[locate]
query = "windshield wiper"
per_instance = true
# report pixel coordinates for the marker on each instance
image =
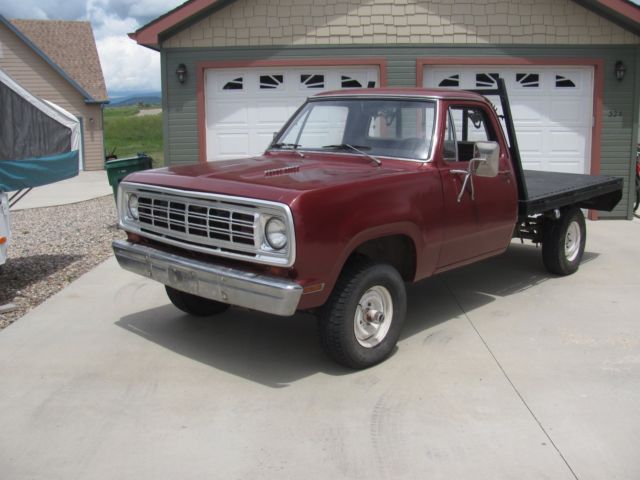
(356, 148)
(288, 146)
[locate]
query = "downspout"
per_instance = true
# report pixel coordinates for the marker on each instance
(165, 105)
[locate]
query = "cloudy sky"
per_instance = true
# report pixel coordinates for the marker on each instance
(126, 65)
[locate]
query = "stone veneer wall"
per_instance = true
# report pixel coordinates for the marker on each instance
(339, 22)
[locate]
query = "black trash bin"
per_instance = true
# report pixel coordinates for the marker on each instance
(119, 168)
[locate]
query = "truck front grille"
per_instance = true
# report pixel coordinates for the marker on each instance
(209, 223)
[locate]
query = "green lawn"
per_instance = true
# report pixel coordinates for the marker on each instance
(130, 134)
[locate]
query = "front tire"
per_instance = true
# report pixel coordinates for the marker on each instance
(360, 324)
(193, 304)
(563, 242)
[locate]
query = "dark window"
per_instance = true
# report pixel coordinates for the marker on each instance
(270, 81)
(235, 84)
(530, 80)
(564, 82)
(465, 127)
(312, 81)
(487, 79)
(452, 81)
(348, 82)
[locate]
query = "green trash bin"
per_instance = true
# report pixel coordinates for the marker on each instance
(119, 168)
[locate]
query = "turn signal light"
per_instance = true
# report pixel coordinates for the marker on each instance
(318, 287)
(3, 240)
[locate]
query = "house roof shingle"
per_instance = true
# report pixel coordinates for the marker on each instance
(71, 45)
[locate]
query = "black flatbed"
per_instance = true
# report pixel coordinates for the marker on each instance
(550, 190)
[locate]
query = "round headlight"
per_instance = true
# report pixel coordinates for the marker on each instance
(276, 233)
(132, 205)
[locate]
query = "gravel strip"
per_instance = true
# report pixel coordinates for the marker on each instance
(50, 248)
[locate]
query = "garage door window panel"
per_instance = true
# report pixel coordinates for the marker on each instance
(271, 82)
(450, 81)
(528, 80)
(564, 82)
(355, 79)
(234, 84)
(487, 80)
(312, 81)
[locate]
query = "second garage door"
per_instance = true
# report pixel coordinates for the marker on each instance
(552, 109)
(245, 106)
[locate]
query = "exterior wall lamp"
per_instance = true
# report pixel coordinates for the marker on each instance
(181, 72)
(620, 70)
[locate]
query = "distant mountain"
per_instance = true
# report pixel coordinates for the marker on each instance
(122, 98)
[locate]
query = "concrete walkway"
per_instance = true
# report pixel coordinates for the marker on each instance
(502, 372)
(86, 186)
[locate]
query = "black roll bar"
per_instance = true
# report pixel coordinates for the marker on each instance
(501, 92)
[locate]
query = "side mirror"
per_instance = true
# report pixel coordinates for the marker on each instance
(487, 156)
(485, 163)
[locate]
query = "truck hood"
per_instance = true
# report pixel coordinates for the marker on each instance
(280, 177)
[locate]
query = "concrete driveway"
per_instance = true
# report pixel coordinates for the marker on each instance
(84, 186)
(502, 373)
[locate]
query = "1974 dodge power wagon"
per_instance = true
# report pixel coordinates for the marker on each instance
(360, 192)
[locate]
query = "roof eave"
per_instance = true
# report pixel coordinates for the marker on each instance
(151, 43)
(47, 59)
(621, 12)
(149, 35)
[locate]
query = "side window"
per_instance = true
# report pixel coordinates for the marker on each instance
(465, 126)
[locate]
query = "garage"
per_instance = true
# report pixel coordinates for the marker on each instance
(552, 108)
(233, 70)
(245, 106)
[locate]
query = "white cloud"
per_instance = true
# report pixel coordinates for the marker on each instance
(128, 66)
(106, 24)
(152, 8)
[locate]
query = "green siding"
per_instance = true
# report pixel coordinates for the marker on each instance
(618, 133)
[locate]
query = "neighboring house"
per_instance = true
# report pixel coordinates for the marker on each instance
(248, 64)
(58, 61)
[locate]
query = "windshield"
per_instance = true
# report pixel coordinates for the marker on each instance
(387, 128)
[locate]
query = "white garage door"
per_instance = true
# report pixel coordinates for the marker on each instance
(245, 106)
(552, 109)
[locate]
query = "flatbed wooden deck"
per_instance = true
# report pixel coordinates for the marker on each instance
(549, 190)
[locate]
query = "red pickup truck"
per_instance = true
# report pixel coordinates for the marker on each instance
(360, 192)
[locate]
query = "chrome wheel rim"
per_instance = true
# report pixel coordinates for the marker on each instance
(572, 241)
(373, 317)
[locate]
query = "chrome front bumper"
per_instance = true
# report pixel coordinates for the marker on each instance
(264, 293)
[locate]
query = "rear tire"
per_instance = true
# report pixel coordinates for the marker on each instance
(635, 206)
(195, 305)
(563, 242)
(361, 322)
